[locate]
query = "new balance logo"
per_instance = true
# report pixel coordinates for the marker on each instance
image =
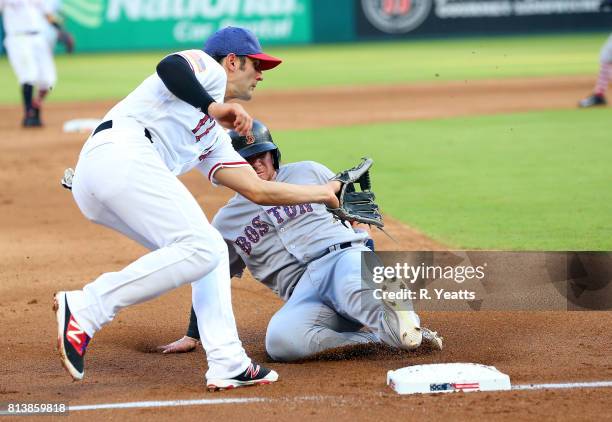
(252, 371)
(76, 336)
(75, 332)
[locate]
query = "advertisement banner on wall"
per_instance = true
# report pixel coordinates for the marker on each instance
(164, 24)
(402, 18)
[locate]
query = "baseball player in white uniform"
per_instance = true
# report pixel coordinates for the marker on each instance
(31, 57)
(311, 261)
(126, 179)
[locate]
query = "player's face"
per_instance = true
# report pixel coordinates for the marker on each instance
(263, 164)
(246, 78)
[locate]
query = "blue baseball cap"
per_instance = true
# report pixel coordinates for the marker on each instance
(241, 42)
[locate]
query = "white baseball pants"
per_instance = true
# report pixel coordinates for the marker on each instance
(31, 59)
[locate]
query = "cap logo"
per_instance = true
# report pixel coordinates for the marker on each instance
(250, 139)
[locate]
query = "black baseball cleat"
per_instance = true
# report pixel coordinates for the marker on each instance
(254, 375)
(32, 118)
(72, 341)
(593, 101)
(32, 121)
(37, 117)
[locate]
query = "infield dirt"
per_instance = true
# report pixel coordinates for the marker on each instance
(47, 245)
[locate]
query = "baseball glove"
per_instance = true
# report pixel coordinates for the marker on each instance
(64, 37)
(357, 205)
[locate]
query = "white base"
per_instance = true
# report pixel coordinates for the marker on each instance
(81, 125)
(447, 378)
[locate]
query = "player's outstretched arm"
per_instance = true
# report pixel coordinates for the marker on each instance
(244, 180)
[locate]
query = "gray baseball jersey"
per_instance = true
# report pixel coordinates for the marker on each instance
(288, 249)
(276, 243)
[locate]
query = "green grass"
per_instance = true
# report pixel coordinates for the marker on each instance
(533, 181)
(112, 76)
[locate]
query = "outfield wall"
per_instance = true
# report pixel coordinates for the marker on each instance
(115, 25)
(402, 19)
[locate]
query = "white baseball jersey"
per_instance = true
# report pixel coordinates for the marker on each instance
(183, 135)
(24, 16)
(276, 242)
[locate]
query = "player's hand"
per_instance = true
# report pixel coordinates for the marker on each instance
(183, 345)
(334, 187)
(231, 116)
(360, 227)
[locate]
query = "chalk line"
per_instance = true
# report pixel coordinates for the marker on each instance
(248, 400)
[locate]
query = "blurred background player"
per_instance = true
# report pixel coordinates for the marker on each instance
(311, 261)
(31, 57)
(598, 97)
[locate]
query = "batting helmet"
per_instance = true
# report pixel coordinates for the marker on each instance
(257, 141)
